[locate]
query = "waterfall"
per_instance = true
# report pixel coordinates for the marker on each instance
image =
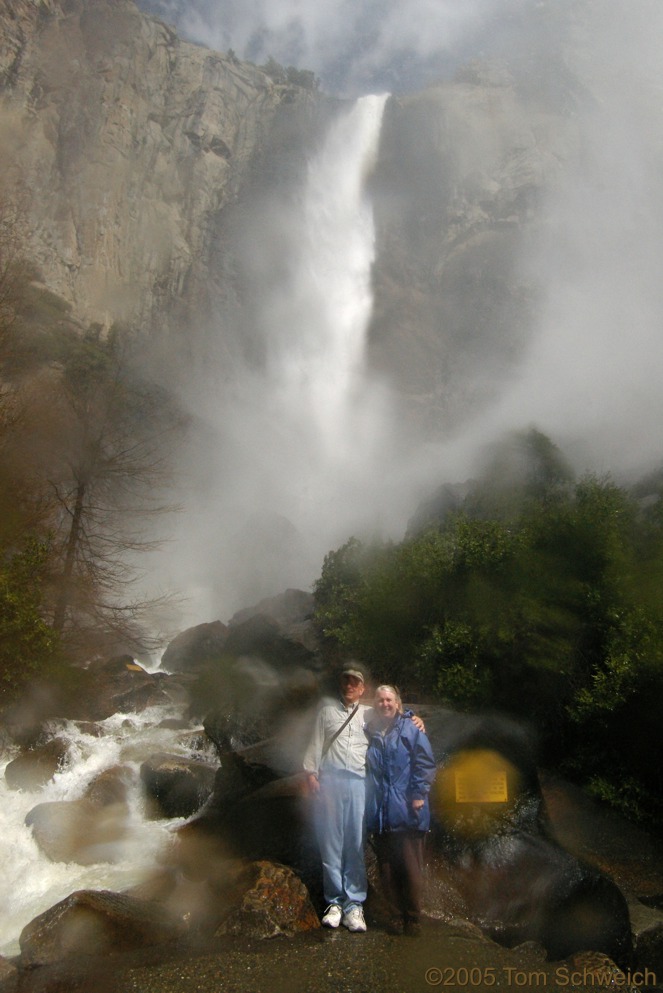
(319, 329)
(330, 418)
(300, 432)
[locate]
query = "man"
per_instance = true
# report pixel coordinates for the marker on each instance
(336, 765)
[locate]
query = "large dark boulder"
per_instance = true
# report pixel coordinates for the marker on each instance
(492, 842)
(269, 666)
(177, 786)
(33, 768)
(79, 831)
(263, 637)
(288, 608)
(195, 648)
(94, 923)
(520, 886)
(278, 629)
(110, 787)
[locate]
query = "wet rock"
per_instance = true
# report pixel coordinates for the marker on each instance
(92, 728)
(534, 951)
(32, 769)
(195, 648)
(649, 949)
(177, 688)
(595, 970)
(290, 607)
(643, 917)
(79, 830)
(212, 890)
(109, 787)
(137, 698)
(235, 728)
(521, 886)
(156, 887)
(8, 974)
(195, 740)
(174, 724)
(263, 637)
(274, 902)
(466, 929)
(259, 702)
(178, 786)
(197, 902)
(94, 922)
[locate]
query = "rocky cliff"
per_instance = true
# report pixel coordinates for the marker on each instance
(144, 161)
(126, 143)
(460, 189)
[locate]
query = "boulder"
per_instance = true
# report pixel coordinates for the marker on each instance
(249, 699)
(492, 842)
(109, 787)
(123, 686)
(33, 768)
(595, 970)
(520, 887)
(79, 830)
(195, 648)
(292, 607)
(262, 637)
(178, 786)
(649, 948)
(8, 974)
(274, 902)
(91, 922)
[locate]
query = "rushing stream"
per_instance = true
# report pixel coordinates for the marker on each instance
(31, 881)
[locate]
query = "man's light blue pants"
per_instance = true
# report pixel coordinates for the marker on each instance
(340, 832)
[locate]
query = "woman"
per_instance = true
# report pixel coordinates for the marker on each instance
(400, 772)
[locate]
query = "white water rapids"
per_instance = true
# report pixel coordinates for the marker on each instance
(32, 882)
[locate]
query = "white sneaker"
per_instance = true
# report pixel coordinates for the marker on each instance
(353, 919)
(332, 916)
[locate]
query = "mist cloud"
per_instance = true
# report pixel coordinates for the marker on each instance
(354, 47)
(590, 373)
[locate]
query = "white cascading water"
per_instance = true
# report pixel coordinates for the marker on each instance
(301, 434)
(31, 882)
(326, 310)
(321, 417)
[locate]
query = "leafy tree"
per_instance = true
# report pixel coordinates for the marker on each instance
(28, 646)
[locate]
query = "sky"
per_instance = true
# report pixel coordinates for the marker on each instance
(356, 46)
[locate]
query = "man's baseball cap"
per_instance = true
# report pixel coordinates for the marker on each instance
(354, 672)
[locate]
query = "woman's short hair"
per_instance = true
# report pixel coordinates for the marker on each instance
(386, 688)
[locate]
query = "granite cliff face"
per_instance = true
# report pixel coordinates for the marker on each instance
(127, 144)
(464, 172)
(144, 161)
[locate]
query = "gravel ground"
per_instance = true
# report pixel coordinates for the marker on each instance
(443, 958)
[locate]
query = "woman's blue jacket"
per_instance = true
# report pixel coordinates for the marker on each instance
(400, 768)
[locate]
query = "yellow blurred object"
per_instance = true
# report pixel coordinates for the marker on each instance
(475, 789)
